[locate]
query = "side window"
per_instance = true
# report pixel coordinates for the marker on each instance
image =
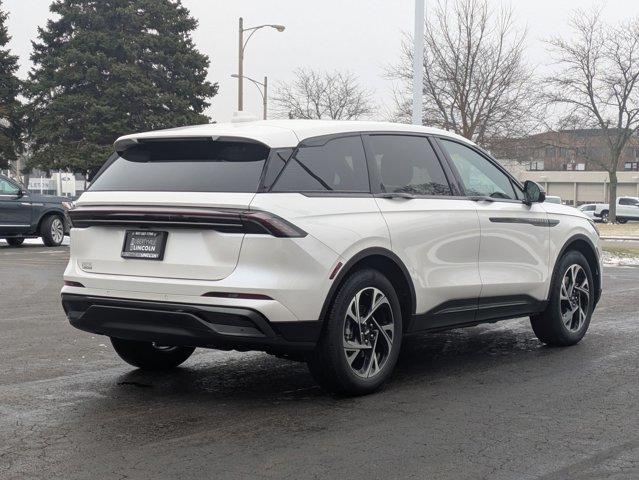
(478, 175)
(408, 164)
(338, 166)
(628, 201)
(275, 164)
(7, 188)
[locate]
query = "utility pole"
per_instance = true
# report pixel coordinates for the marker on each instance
(240, 58)
(240, 69)
(418, 62)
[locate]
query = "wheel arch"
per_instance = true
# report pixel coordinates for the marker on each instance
(391, 266)
(584, 245)
(46, 214)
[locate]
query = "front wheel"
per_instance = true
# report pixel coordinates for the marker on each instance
(52, 231)
(14, 242)
(567, 316)
(149, 355)
(360, 343)
(604, 216)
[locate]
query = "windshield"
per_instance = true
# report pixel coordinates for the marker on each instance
(200, 165)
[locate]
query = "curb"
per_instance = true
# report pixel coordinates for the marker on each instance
(620, 238)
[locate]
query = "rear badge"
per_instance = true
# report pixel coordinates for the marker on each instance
(86, 266)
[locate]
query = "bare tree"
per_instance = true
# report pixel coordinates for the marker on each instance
(476, 82)
(597, 83)
(317, 95)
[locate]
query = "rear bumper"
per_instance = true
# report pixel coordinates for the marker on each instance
(224, 328)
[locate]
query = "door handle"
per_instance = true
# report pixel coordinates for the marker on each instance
(407, 196)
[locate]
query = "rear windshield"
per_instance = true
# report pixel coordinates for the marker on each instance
(185, 166)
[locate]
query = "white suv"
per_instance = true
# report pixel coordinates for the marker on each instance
(320, 241)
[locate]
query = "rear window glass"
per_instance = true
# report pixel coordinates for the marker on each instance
(338, 166)
(185, 166)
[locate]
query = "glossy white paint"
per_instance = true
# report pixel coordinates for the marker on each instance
(449, 246)
(513, 258)
(438, 241)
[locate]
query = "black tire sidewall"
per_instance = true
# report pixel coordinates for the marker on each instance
(14, 242)
(332, 341)
(146, 357)
(45, 231)
(565, 335)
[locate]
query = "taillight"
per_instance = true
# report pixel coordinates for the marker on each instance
(265, 222)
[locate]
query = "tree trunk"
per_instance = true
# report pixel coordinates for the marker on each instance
(612, 196)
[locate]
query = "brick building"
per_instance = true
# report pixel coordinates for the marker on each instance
(567, 150)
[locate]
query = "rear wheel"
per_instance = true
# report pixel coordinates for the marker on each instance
(150, 356)
(359, 346)
(567, 316)
(621, 220)
(52, 231)
(604, 216)
(15, 242)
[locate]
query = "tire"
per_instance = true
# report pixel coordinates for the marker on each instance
(357, 371)
(550, 326)
(621, 220)
(148, 356)
(52, 231)
(604, 216)
(15, 242)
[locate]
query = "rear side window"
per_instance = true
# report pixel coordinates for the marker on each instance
(408, 165)
(628, 201)
(186, 166)
(337, 166)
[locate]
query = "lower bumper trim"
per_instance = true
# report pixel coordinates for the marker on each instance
(224, 328)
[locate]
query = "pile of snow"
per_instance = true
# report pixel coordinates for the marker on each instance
(620, 260)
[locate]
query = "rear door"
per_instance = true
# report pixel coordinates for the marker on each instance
(515, 237)
(192, 189)
(15, 211)
(628, 207)
(433, 230)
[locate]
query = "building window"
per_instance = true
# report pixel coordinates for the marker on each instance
(634, 166)
(636, 152)
(550, 152)
(537, 165)
(580, 166)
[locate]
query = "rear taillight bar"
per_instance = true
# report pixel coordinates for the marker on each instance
(223, 220)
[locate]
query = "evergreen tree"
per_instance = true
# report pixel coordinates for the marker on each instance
(9, 104)
(104, 68)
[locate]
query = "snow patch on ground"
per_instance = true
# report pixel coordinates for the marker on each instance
(616, 259)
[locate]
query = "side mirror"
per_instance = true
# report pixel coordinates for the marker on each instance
(534, 192)
(20, 193)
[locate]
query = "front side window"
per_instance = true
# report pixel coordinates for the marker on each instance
(408, 164)
(588, 208)
(185, 166)
(628, 201)
(8, 188)
(339, 165)
(478, 175)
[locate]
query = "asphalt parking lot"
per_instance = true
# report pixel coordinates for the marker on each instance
(485, 402)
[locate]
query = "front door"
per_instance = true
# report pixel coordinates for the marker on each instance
(15, 210)
(435, 233)
(515, 237)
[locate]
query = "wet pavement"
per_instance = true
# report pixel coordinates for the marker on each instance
(484, 402)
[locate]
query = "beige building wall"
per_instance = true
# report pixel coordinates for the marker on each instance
(586, 187)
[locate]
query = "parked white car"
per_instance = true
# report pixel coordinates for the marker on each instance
(627, 209)
(553, 199)
(588, 209)
(321, 241)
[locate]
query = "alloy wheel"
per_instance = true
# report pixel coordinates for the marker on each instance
(57, 230)
(574, 298)
(368, 335)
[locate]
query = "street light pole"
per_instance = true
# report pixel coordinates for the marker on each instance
(240, 64)
(240, 68)
(263, 91)
(418, 62)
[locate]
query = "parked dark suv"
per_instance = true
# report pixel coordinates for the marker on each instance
(24, 214)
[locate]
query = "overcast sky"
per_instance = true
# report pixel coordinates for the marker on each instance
(362, 36)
